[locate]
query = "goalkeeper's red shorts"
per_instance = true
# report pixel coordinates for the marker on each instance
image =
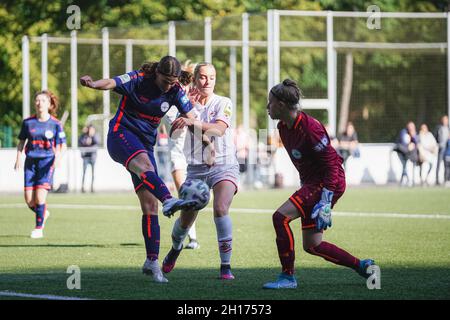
(308, 196)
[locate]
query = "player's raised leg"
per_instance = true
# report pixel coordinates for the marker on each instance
(140, 165)
(285, 246)
(151, 234)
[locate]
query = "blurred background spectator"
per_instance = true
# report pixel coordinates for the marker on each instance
(442, 136)
(428, 150)
(88, 143)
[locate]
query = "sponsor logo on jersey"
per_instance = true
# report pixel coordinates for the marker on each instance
(144, 99)
(296, 154)
(322, 144)
(165, 106)
(125, 78)
(48, 134)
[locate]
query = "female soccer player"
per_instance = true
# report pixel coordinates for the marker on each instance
(176, 144)
(323, 183)
(147, 95)
(45, 140)
(218, 167)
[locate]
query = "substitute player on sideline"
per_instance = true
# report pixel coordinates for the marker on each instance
(45, 141)
(218, 167)
(147, 95)
(323, 183)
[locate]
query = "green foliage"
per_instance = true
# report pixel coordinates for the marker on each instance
(145, 19)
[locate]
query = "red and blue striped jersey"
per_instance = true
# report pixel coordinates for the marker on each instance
(143, 105)
(42, 136)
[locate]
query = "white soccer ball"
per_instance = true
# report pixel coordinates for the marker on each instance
(196, 190)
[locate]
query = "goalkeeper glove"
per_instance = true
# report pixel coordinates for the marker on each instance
(322, 210)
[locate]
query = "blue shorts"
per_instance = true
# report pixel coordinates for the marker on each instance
(123, 146)
(39, 173)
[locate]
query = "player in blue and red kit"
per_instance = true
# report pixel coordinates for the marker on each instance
(45, 139)
(147, 94)
(323, 183)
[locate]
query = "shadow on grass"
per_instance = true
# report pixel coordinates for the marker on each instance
(49, 245)
(111, 282)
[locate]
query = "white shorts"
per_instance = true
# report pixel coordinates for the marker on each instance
(215, 174)
(177, 160)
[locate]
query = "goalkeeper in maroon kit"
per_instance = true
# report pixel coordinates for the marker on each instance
(323, 183)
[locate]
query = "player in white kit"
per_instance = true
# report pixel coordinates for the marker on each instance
(216, 164)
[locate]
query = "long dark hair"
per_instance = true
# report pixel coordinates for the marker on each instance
(168, 66)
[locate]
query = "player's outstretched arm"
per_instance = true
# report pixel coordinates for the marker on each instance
(102, 84)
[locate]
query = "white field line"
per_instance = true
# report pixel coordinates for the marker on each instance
(241, 210)
(37, 296)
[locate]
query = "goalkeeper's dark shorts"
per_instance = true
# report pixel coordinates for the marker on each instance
(308, 196)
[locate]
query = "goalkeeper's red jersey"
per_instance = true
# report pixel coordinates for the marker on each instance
(309, 148)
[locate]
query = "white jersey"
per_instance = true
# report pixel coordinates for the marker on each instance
(176, 144)
(217, 108)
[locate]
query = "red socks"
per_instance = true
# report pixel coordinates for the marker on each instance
(326, 250)
(285, 242)
(334, 254)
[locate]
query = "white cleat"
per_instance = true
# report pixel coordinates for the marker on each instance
(37, 234)
(193, 244)
(152, 268)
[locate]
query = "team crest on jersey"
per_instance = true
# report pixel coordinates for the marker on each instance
(227, 111)
(48, 134)
(296, 154)
(165, 106)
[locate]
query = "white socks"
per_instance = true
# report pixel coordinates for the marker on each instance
(224, 237)
(178, 235)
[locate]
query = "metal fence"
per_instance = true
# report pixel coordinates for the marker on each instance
(252, 52)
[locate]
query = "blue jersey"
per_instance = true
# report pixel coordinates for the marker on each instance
(42, 137)
(143, 105)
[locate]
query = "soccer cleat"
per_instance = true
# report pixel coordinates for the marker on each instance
(151, 268)
(284, 281)
(170, 260)
(37, 234)
(225, 272)
(172, 205)
(363, 266)
(193, 244)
